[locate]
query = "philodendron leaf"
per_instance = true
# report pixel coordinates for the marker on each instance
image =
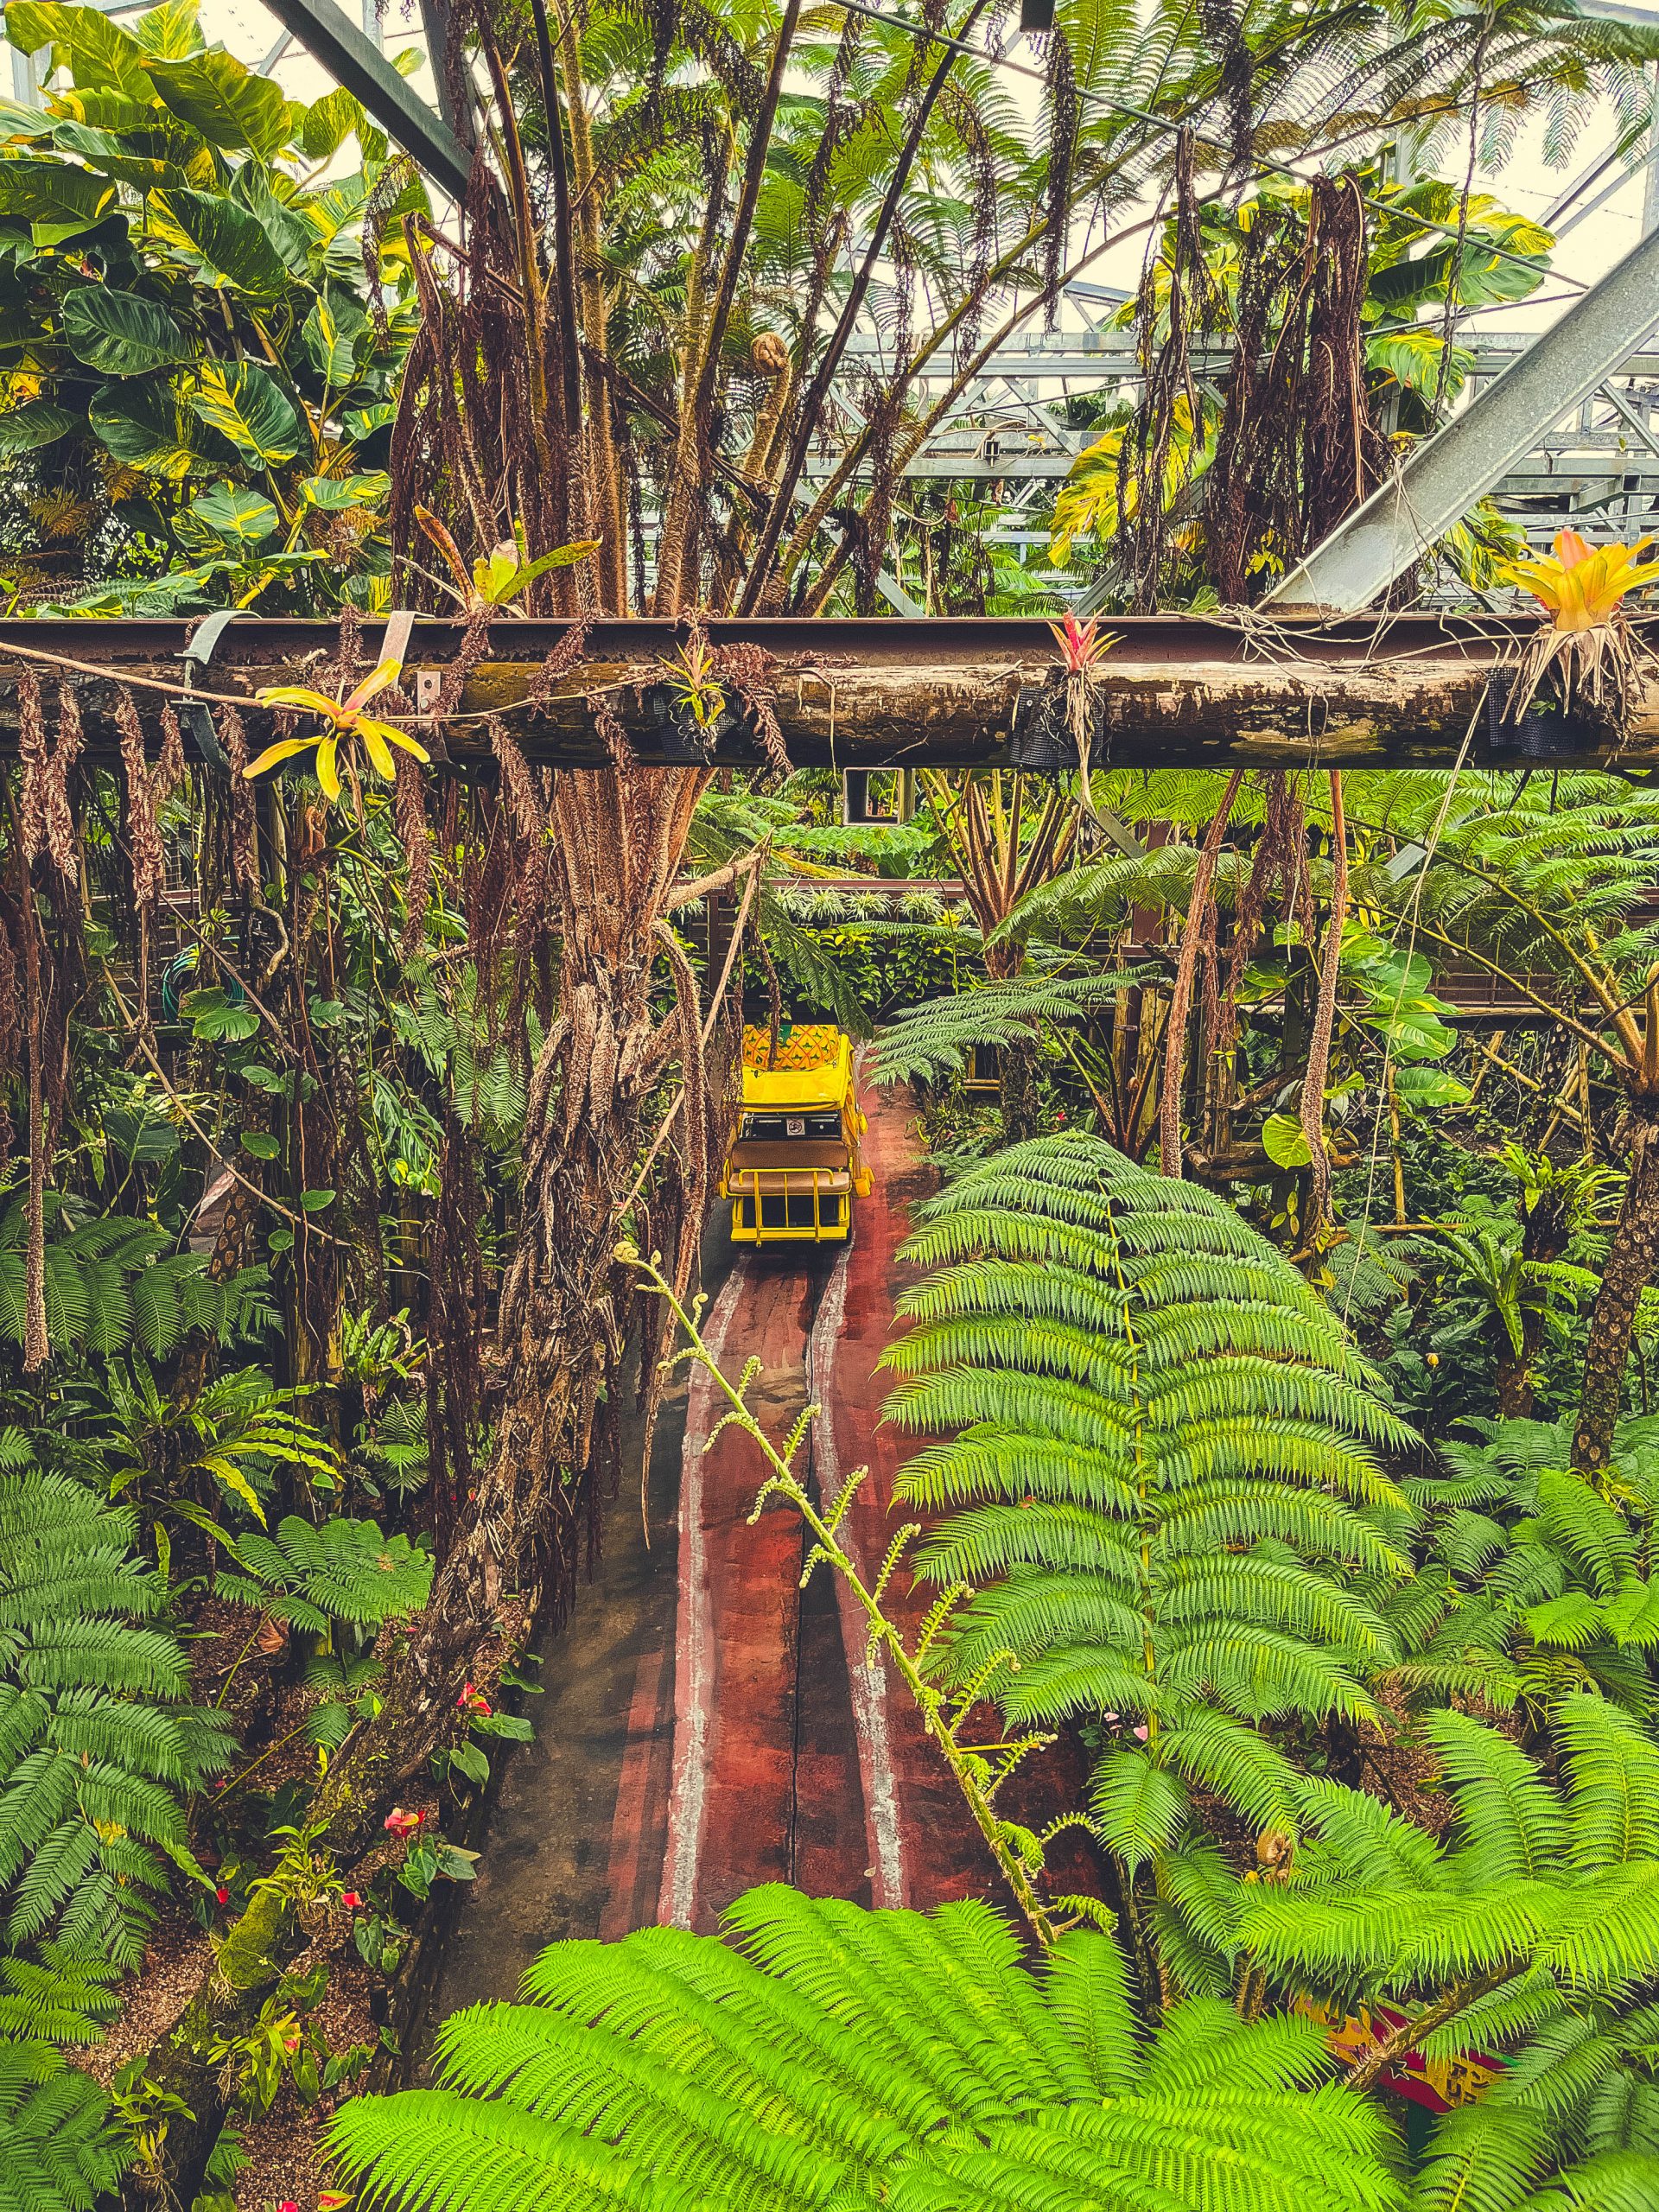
(243, 403)
(1283, 1141)
(328, 123)
(340, 494)
(122, 333)
(56, 200)
(234, 513)
(330, 335)
(225, 245)
(220, 98)
(37, 422)
(170, 31)
(140, 424)
(98, 53)
(111, 157)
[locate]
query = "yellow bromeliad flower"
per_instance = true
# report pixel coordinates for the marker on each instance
(1583, 587)
(345, 724)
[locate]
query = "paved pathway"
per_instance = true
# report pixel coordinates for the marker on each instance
(706, 1725)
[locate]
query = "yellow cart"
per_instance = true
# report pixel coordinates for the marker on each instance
(794, 1167)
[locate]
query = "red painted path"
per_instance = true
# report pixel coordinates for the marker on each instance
(706, 1724)
(770, 1750)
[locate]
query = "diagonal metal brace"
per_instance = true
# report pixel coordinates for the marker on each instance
(1444, 476)
(357, 63)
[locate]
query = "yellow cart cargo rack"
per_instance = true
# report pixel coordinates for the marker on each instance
(794, 1166)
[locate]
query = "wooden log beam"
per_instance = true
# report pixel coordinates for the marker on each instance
(1399, 691)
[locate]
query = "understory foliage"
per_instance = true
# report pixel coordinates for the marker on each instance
(1166, 1490)
(828, 2056)
(97, 1742)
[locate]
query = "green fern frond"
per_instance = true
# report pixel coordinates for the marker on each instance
(1166, 1451)
(849, 2058)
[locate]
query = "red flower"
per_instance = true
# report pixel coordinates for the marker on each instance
(288, 2205)
(350, 1899)
(473, 1701)
(223, 1895)
(401, 1823)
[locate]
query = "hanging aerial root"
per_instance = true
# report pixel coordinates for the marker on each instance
(1325, 1014)
(1180, 1001)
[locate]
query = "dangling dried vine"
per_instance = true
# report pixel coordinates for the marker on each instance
(1296, 447)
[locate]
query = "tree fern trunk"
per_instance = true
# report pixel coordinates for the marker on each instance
(1632, 1259)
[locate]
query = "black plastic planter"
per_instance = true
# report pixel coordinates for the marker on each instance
(1041, 741)
(685, 739)
(1545, 730)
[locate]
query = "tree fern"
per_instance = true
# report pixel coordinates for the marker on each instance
(339, 1570)
(58, 2149)
(1532, 1930)
(114, 1284)
(1547, 1571)
(849, 2059)
(95, 1741)
(935, 1039)
(1167, 1453)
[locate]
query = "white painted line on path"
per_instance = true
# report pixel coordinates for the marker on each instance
(694, 1640)
(868, 1684)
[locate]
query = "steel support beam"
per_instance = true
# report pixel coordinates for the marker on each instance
(357, 63)
(1444, 477)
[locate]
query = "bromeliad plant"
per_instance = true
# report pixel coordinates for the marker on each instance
(345, 728)
(1588, 640)
(1083, 646)
(498, 577)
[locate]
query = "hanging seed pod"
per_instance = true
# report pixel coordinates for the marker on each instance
(143, 834)
(245, 844)
(414, 835)
(61, 841)
(171, 768)
(31, 748)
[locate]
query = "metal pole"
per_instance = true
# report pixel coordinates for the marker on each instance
(356, 62)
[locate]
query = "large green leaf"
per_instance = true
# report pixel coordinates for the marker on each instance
(1413, 359)
(224, 243)
(55, 200)
(143, 425)
(38, 422)
(328, 123)
(96, 52)
(106, 151)
(232, 108)
(288, 230)
(331, 333)
(171, 31)
(245, 403)
(121, 333)
(340, 494)
(234, 513)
